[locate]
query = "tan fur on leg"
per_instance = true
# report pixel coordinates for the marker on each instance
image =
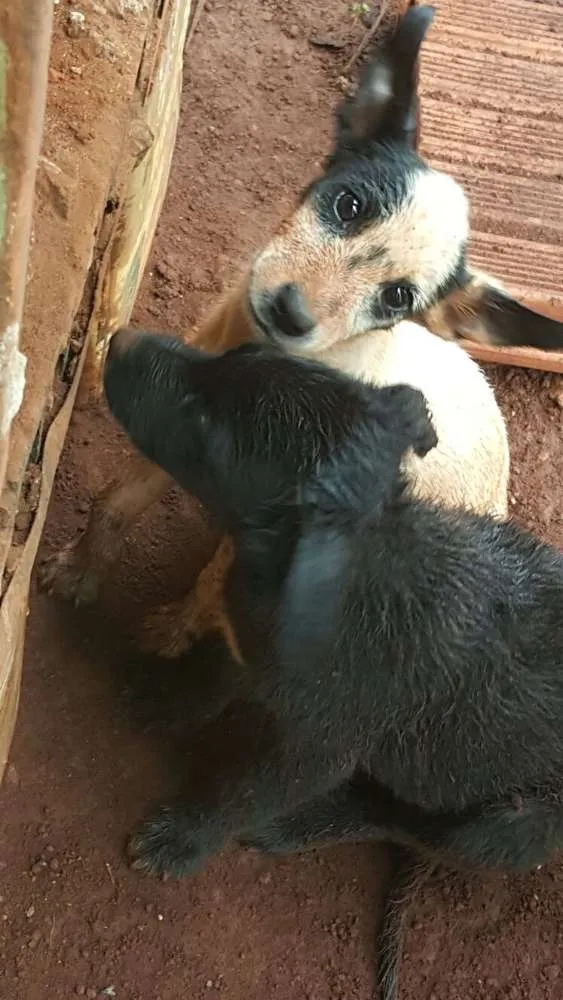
(77, 571)
(173, 628)
(458, 315)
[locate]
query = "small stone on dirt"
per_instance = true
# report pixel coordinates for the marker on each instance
(76, 24)
(165, 271)
(12, 776)
(34, 940)
(368, 16)
(327, 42)
(30, 912)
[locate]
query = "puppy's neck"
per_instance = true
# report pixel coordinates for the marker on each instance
(364, 356)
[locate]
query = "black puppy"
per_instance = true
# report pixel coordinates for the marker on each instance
(408, 657)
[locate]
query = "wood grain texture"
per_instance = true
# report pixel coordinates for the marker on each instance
(521, 357)
(491, 84)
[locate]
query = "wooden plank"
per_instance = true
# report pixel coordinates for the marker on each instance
(520, 357)
(25, 35)
(491, 84)
(79, 168)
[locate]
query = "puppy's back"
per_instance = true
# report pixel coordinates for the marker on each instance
(438, 640)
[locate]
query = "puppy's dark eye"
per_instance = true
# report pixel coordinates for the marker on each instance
(397, 298)
(347, 206)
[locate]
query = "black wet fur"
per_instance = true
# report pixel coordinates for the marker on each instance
(407, 658)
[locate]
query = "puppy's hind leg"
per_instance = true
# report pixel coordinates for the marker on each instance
(355, 812)
(172, 629)
(76, 572)
(205, 684)
(520, 834)
(344, 815)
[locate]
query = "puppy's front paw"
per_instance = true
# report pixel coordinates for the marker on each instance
(66, 575)
(167, 844)
(409, 415)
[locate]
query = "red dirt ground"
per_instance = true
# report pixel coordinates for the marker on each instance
(97, 734)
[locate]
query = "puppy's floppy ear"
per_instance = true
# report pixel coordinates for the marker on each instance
(313, 595)
(482, 311)
(385, 106)
(404, 412)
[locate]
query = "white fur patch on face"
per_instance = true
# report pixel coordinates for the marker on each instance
(423, 240)
(339, 277)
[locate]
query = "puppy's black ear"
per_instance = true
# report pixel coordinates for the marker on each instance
(484, 312)
(313, 595)
(403, 411)
(385, 106)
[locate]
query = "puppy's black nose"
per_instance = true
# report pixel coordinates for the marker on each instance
(287, 312)
(121, 342)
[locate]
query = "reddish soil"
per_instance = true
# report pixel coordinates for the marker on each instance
(98, 734)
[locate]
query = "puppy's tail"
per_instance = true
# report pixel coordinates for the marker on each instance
(408, 872)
